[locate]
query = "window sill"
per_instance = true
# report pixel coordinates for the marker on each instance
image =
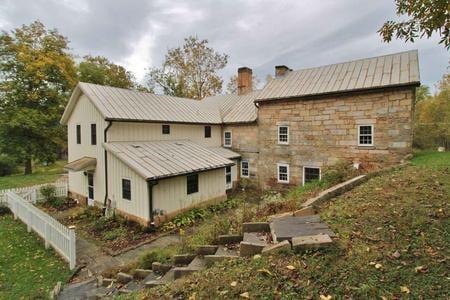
(368, 147)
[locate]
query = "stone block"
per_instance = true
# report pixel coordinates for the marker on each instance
(211, 259)
(107, 282)
(206, 249)
(311, 242)
(273, 248)
(124, 278)
(282, 215)
(229, 239)
(306, 211)
(256, 227)
(160, 268)
(141, 273)
(250, 249)
(183, 259)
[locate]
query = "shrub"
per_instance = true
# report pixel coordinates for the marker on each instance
(115, 233)
(4, 210)
(338, 172)
(162, 255)
(48, 192)
(7, 165)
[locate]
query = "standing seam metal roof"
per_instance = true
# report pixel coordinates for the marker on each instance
(162, 159)
(369, 73)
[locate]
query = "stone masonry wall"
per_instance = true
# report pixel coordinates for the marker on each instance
(245, 142)
(324, 130)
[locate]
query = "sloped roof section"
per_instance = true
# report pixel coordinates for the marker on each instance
(122, 104)
(235, 108)
(400, 69)
(162, 159)
(83, 164)
(224, 152)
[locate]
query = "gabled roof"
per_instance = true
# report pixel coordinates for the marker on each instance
(399, 69)
(128, 105)
(82, 164)
(162, 159)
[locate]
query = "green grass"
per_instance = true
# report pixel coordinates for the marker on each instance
(41, 174)
(27, 270)
(392, 242)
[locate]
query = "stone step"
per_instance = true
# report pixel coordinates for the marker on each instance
(206, 249)
(197, 263)
(225, 251)
(184, 271)
(211, 259)
(155, 281)
(311, 242)
(255, 238)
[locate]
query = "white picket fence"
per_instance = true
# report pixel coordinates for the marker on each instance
(33, 194)
(61, 238)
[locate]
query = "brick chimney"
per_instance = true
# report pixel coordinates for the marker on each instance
(244, 80)
(281, 71)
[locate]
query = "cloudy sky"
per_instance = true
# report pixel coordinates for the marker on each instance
(257, 34)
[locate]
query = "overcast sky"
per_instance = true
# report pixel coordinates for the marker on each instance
(257, 34)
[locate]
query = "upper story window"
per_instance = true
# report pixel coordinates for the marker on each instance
(166, 129)
(93, 134)
(126, 189)
(283, 173)
(207, 131)
(310, 174)
(245, 169)
(283, 135)
(365, 135)
(227, 139)
(192, 183)
(79, 134)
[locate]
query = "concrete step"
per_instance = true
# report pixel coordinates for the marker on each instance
(211, 259)
(225, 251)
(185, 271)
(197, 263)
(150, 282)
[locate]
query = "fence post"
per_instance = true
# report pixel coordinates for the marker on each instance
(30, 218)
(47, 235)
(72, 249)
(34, 196)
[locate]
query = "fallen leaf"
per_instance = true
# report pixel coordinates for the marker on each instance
(192, 297)
(233, 284)
(405, 289)
(245, 295)
(378, 266)
(396, 254)
(290, 267)
(323, 297)
(421, 269)
(257, 256)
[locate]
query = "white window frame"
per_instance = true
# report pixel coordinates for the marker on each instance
(278, 133)
(372, 134)
(230, 184)
(311, 167)
(287, 171)
(248, 169)
(225, 139)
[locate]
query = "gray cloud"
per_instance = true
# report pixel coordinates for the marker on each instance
(258, 34)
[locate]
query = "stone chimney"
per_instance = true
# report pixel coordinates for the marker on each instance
(244, 80)
(281, 71)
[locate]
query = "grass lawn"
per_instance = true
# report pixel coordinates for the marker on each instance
(41, 174)
(27, 270)
(392, 243)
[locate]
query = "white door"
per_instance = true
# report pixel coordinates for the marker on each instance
(228, 177)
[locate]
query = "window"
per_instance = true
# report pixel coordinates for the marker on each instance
(166, 129)
(78, 134)
(90, 177)
(93, 134)
(310, 174)
(126, 189)
(365, 135)
(283, 173)
(207, 131)
(228, 182)
(227, 139)
(245, 167)
(192, 183)
(283, 135)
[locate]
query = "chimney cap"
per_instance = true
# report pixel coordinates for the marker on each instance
(244, 69)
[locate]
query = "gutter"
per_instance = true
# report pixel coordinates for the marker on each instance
(105, 139)
(150, 185)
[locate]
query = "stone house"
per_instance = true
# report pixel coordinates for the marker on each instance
(151, 156)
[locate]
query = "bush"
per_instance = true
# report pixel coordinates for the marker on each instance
(162, 255)
(48, 192)
(4, 210)
(339, 172)
(115, 233)
(7, 165)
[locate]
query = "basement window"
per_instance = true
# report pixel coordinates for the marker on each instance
(126, 189)
(166, 129)
(227, 139)
(192, 183)
(283, 173)
(283, 135)
(311, 174)
(245, 169)
(207, 131)
(93, 134)
(78, 134)
(365, 135)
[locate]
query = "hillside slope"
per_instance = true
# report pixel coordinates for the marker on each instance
(393, 241)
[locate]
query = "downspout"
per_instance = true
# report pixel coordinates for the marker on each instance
(150, 185)
(105, 139)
